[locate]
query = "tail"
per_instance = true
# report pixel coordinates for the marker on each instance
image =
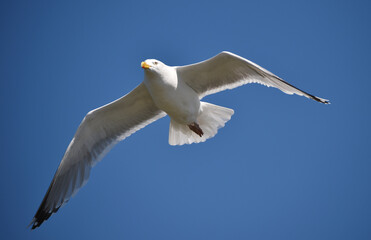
(211, 118)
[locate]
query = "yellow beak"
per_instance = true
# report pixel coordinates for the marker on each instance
(144, 65)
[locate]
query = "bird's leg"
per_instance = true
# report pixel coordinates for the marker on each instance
(196, 128)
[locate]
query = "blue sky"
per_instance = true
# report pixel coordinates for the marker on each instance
(284, 167)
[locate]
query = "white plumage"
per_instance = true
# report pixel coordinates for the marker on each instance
(175, 91)
(210, 119)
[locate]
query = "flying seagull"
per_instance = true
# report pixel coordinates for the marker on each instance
(166, 90)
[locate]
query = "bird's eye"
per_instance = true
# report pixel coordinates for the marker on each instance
(155, 63)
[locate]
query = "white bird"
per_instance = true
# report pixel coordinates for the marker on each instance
(175, 91)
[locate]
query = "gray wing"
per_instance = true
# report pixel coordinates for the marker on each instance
(227, 70)
(100, 130)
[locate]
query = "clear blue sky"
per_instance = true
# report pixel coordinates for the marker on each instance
(284, 167)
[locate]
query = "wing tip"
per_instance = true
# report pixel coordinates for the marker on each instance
(321, 100)
(34, 224)
(40, 217)
(41, 214)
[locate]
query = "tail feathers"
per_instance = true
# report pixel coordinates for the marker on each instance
(211, 118)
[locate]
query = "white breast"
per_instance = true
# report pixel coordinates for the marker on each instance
(173, 96)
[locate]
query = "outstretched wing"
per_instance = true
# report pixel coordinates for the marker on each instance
(100, 130)
(227, 70)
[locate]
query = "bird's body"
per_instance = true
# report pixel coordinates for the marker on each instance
(175, 91)
(172, 95)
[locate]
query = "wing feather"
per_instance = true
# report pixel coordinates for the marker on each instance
(99, 131)
(227, 71)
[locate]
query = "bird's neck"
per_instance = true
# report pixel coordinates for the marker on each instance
(163, 79)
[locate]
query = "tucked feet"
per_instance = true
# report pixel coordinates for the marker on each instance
(196, 128)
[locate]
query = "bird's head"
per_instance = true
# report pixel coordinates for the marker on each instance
(153, 65)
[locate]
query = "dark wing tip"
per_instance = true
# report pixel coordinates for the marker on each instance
(43, 213)
(40, 217)
(321, 100)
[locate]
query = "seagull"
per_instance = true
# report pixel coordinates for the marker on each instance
(175, 91)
